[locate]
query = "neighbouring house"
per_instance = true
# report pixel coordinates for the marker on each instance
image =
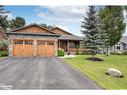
(121, 46)
(35, 40)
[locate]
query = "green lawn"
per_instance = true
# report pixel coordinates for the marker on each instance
(96, 70)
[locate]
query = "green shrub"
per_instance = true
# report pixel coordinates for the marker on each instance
(3, 53)
(124, 53)
(60, 52)
(85, 53)
(4, 43)
(115, 53)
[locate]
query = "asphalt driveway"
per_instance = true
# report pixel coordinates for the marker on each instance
(41, 73)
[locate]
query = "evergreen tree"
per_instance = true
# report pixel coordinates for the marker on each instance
(90, 30)
(17, 23)
(112, 25)
(47, 26)
(3, 18)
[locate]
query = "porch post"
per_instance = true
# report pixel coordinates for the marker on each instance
(67, 45)
(58, 44)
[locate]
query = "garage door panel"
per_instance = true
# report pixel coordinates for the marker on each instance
(23, 48)
(28, 48)
(17, 48)
(50, 48)
(45, 48)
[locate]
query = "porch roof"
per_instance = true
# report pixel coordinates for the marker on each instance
(70, 37)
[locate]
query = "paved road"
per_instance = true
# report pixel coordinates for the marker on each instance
(41, 73)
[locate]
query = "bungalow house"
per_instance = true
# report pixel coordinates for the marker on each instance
(35, 40)
(121, 46)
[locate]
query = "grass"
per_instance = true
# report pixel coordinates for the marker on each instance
(96, 70)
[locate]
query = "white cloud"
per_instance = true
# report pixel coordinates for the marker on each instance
(63, 14)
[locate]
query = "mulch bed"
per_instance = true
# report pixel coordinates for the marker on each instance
(94, 59)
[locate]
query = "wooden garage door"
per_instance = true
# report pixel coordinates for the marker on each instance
(45, 48)
(23, 48)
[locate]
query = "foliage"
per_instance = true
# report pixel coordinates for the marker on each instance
(4, 43)
(47, 26)
(111, 24)
(124, 53)
(3, 18)
(85, 53)
(90, 30)
(60, 52)
(17, 22)
(96, 70)
(116, 53)
(3, 53)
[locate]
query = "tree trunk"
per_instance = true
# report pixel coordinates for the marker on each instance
(93, 54)
(107, 53)
(102, 51)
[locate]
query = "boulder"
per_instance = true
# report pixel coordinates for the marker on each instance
(114, 72)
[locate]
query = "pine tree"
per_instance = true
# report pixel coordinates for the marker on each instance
(3, 18)
(17, 22)
(90, 30)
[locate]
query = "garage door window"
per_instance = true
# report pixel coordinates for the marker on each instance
(29, 42)
(50, 43)
(41, 43)
(18, 42)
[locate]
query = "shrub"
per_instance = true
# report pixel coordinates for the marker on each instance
(4, 43)
(3, 53)
(115, 53)
(124, 53)
(60, 52)
(86, 53)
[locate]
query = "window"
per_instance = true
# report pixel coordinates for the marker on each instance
(18, 42)
(72, 45)
(41, 43)
(29, 42)
(50, 43)
(118, 47)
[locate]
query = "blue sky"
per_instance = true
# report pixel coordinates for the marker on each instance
(66, 17)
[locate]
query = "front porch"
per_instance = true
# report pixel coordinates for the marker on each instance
(68, 45)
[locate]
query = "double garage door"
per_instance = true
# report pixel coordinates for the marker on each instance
(29, 48)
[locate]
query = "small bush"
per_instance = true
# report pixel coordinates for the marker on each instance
(60, 52)
(124, 53)
(86, 53)
(115, 53)
(3, 53)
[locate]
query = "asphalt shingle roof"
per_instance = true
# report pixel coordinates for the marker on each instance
(124, 39)
(69, 37)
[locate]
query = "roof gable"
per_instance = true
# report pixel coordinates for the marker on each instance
(60, 31)
(33, 28)
(124, 39)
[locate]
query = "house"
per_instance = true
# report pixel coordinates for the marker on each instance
(2, 34)
(121, 46)
(35, 40)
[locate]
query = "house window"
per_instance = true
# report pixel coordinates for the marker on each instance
(72, 45)
(118, 47)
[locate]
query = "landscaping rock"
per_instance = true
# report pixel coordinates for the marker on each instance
(114, 72)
